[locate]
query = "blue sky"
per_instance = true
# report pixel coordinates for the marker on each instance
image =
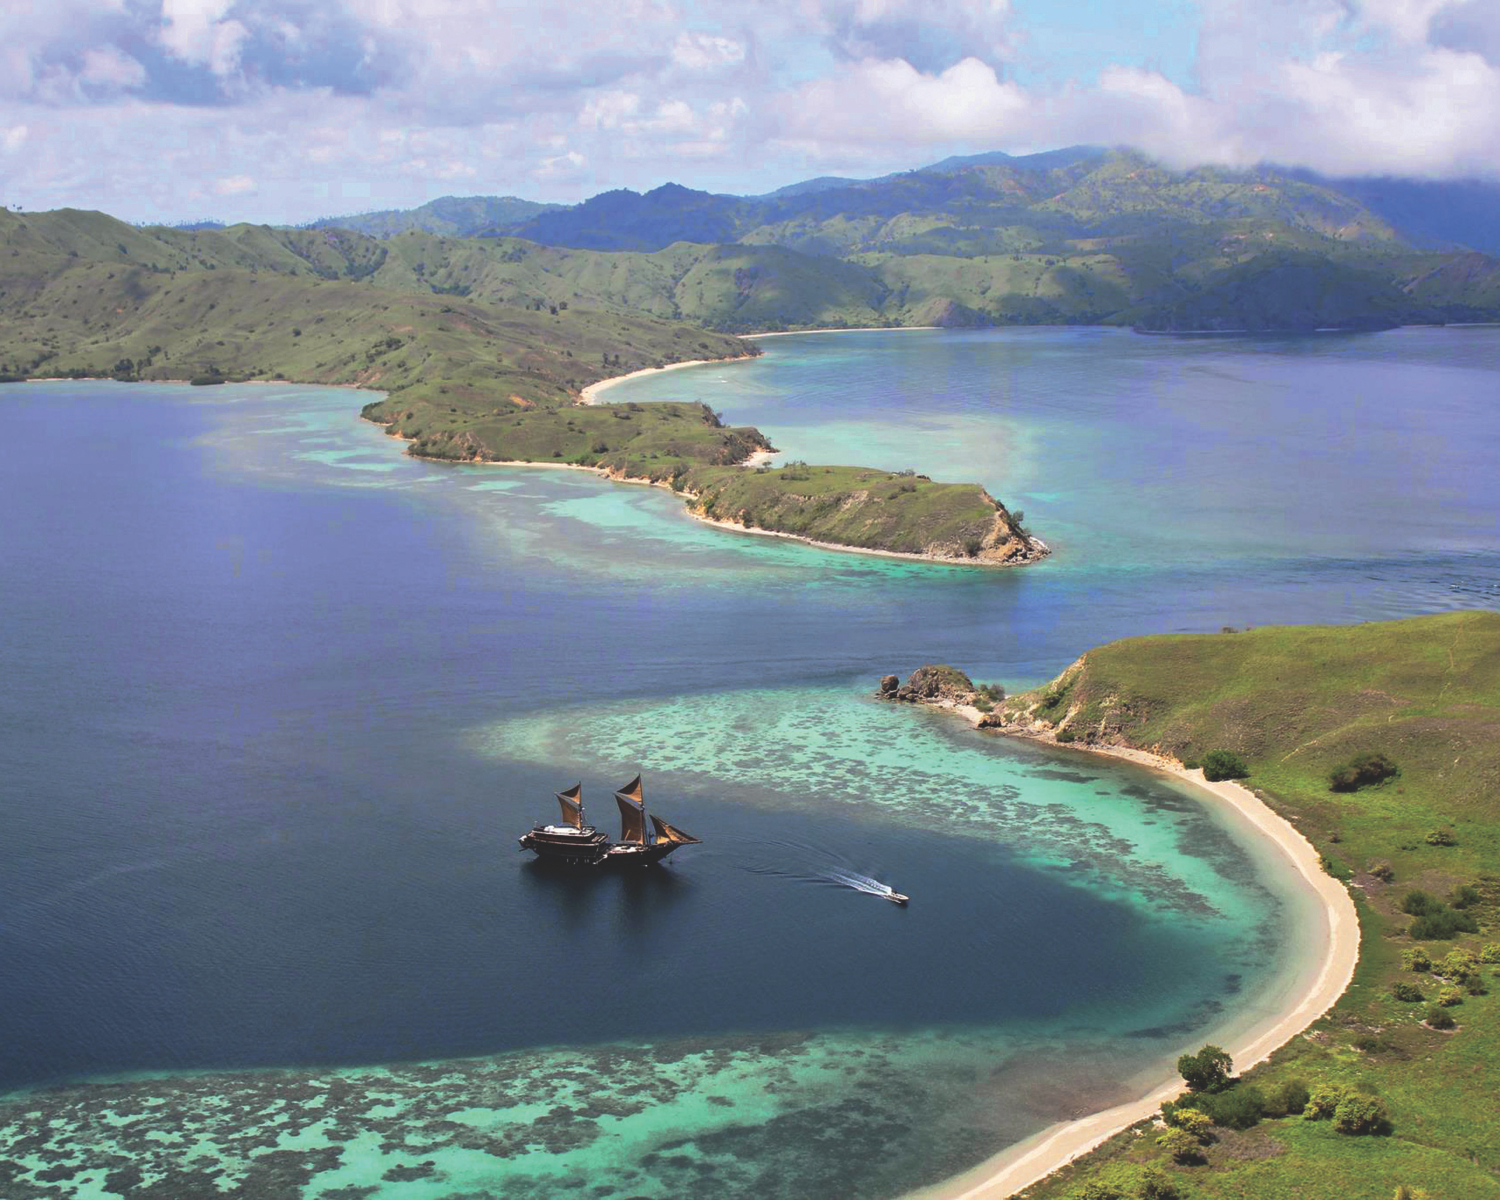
(284, 110)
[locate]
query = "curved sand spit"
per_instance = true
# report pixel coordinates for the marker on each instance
(1336, 945)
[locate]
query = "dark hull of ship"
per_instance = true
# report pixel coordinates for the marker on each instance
(600, 852)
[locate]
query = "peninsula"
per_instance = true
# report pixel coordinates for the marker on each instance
(1373, 753)
(503, 379)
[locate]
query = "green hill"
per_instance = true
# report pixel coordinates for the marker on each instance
(1297, 705)
(480, 346)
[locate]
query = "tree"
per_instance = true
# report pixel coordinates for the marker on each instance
(1206, 1070)
(1224, 764)
(1156, 1184)
(1181, 1145)
(1198, 1124)
(1358, 1115)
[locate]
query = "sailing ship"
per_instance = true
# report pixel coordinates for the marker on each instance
(577, 843)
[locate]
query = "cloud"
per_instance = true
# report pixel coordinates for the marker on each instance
(234, 185)
(135, 105)
(890, 101)
(705, 51)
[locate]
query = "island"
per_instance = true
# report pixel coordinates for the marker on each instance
(476, 363)
(1375, 749)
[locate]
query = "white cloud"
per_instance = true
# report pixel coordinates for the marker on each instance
(131, 105)
(108, 67)
(234, 185)
(892, 102)
(704, 51)
(196, 31)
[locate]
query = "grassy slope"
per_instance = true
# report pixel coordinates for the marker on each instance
(855, 506)
(491, 374)
(1295, 702)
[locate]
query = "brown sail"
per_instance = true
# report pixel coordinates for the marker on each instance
(634, 790)
(670, 833)
(572, 805)
(632, 818)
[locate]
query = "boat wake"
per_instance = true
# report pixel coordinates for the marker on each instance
(811, 864)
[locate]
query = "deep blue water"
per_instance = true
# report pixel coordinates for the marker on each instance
(276, 702)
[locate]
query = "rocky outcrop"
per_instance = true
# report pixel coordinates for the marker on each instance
(935, 683)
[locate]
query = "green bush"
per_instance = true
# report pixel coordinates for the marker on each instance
(1363, 770)
(1324, 1101)
(1458, 965)
(1223, 764)
(1464, 896)
(1181, 1145)
(206, 380)
(1442, 926)
(1441, 837)
(1491, 953)
(1439, 1018)
(1416, 959)
(1066, 735)
(1357, 1115)
(1406, 992)
(1156, 1184)
(1238, 1108)
(1207, 1070)
(1418, 903)
(1285, 1099)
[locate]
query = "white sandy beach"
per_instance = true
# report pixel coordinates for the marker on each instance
(1335, 947)
(590, 394)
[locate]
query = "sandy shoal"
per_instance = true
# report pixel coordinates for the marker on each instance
(1332, 954)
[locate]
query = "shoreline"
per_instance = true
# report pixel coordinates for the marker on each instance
(589, 393)
(758, 458)
(1032, 1159)
(851, 329)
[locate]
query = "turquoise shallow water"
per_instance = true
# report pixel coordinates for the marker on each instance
(276, 712)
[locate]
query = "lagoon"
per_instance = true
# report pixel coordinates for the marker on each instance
(278, 700)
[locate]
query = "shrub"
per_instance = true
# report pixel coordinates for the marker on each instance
(1324, 1101)
(1207, 1070)
(1181, 1145)
(1156, 1184)
(1416, 959)
(1383, 872)
(1238, 1108)
(1358, 1115)
(1458, 965)
(1418, 903)
(206, 380)
(1190, 764)
(1441, 837)
(1100, 1189)
(1197, 1125)
(1439, 1018)
(1464, 896)
(1363, 770)
(1223, 764)
(1066, 735)
(1491, 953)
(1449, 997)
(1407, 993)
(1443, 926)
(1285, 1099)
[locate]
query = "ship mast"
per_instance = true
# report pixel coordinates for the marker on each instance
(632, 801)
(572, 805)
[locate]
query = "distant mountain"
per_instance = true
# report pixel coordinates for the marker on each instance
(455, 216)
(1083, 236)
(967, 207)
(1432, 215)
